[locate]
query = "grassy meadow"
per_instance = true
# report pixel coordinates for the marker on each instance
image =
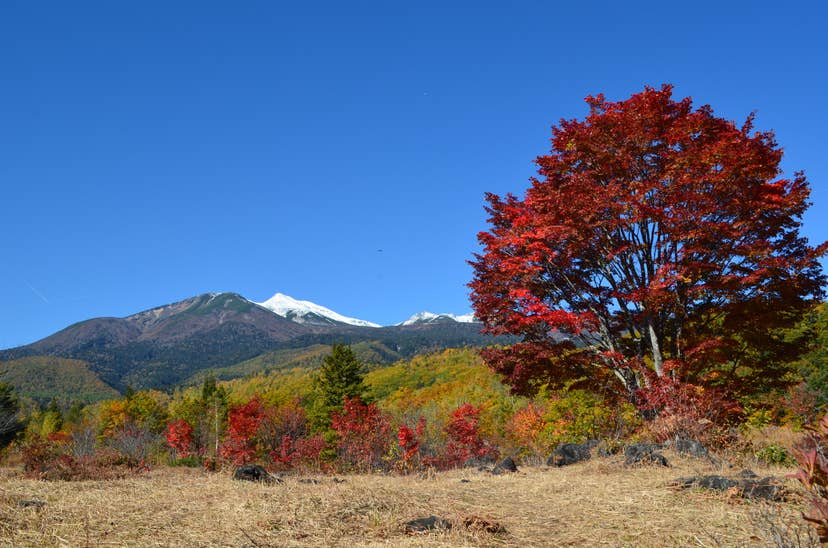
(597, 503)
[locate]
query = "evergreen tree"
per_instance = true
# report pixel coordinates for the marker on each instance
(10, 423)
(340, 377)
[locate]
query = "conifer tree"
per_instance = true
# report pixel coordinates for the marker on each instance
(340, 377)
(10, 423)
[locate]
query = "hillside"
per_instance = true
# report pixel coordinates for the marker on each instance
(177, 343)
(43, 378)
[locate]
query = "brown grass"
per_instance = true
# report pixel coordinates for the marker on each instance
(598, 503)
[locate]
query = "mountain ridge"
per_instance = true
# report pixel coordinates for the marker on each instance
(163, 346)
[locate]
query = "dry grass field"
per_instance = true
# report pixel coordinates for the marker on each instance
(597, 503)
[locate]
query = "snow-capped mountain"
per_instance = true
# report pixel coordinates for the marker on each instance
(430, 317)
(306, 312)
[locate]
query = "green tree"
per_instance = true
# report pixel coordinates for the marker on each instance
(10, 423)
(340, 377)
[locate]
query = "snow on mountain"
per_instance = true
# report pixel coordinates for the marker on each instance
(308, 312)
(430, 317)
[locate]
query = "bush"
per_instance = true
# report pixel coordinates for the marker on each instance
(364, 435)
(50, 460)
(774, 454)
(813, 474)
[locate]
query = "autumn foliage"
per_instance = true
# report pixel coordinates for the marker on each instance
(813, 474)
(465, 440)
(364, 434)
(659, 241)
(179, 436)
(242, 427)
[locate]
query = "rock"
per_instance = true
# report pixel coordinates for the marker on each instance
(690, 447)
(644, 453)
(254, 472)
(425, 525)
(750, 488)
(31, 504)
(570, 453)
(694, 448)
(718, 483)
(465, 480)
(765, 489)
(309, 481)
(747, 474)
(338, 480)
(505, 466)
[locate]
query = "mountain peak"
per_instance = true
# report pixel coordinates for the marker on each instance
(308, 312)
(430, 317)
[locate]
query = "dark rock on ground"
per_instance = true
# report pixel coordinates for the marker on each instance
(746, 487)
(254, 472)
(694, 448)
(505, 466)
(717, 483)
(570, 453)
(644, 453)
(310, 481)
(747, 474)
(31, 504)
(425, 525)
(465, 480)
(339, 480)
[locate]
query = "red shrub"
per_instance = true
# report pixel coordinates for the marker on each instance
(684, 410)
(242, 425)
(287, 420)
(179, 434)
(409, 441)
(303, 451)
(364, 434)
(813, 474)
(465, 441)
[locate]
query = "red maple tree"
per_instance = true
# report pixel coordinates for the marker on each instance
(364, 434)
(409, 441)
(659, 241)
(465, 441)
(179, 435)
(240, 445)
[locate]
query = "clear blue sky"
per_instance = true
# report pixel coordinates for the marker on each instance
(337, 152)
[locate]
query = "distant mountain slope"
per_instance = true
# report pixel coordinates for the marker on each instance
(162, 346)
(168, 345)
(371, 353)
(44, 377)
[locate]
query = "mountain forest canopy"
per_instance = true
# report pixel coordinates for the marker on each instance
(658, 246)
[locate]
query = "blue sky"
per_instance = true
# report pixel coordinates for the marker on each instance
(337, 152)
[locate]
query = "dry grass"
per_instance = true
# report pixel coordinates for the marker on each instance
(596, 503)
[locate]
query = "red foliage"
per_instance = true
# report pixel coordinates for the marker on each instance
(287, 420)
(813, 474)
(302, 451)
(240, 437)
(409, 441)
(658, 237)
(364, 434)
(60, 437)
(465, 441)
(526, 427)
(179, 435)
(686, 411)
